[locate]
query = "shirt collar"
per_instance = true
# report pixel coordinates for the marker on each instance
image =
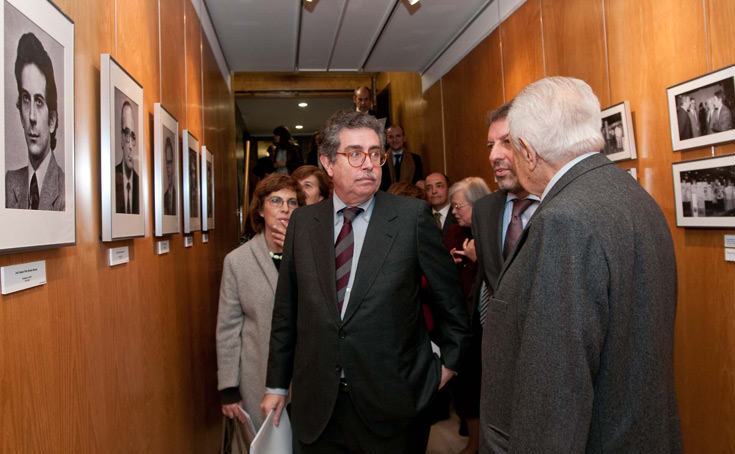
(40, 171)
(560, 173)
(338, 204)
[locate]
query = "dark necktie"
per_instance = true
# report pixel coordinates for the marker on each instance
(34, 193)
(343, 248)
(127, 199)
(438, 219)
(397, 166)
(515, 228)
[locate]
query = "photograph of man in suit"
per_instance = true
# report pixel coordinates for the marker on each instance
(40, 184)
(577, 351)
(193, 184)
(721, 119)
(126, 178)
(348, 333)
(169, 196)
(682, 117)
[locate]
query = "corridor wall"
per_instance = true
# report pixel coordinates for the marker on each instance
(121, 359)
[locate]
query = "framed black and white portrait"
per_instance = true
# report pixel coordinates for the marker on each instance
(192, 201)
(122, 162)
(37, 164)
(617, 130)
(701, 110)
(166, 186)
(704, 192)
(207, 165)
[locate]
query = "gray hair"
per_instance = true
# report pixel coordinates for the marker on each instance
(347, 119)
(474, 188)
(559, 117)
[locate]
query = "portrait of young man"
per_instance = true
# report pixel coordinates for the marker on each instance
(34, 180)
(193, 184)
(170, 201)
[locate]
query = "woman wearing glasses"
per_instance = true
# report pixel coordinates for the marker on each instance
(247, 290)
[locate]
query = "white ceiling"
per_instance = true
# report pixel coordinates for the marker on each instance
(353, 35)
(262, 114)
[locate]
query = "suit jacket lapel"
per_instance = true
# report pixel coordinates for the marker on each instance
(49, 190)
(321, 236)
(378, 242)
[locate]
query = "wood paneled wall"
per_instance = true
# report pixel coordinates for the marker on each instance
(122, 359)
(625, 49)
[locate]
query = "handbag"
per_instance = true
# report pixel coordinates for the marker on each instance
(236, 438)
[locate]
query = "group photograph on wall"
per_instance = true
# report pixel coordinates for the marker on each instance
(166, 172)
(704, 192)
(701, 110)
(123, 183)
(37, 166)
(617, 130)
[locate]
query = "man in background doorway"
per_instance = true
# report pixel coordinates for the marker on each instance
(437, 194)
(402, 165)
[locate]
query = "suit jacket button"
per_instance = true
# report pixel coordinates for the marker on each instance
(341, 334)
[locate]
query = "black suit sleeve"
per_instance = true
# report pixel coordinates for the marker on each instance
(452, 323)
(283, 325)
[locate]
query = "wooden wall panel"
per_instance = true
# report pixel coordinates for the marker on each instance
(521, 43)
(574, 43)
(471, 89)
(193, 119)
(432, 140)
(121, 359)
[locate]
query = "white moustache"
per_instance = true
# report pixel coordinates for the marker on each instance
(367, 174)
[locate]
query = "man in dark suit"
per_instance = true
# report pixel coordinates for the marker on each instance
(401, 165)
(437, 194)
(363, 99)
(348, 334)
(682, 118)
(578, 340)
(170, 201)
(126, 178)
(40, 184)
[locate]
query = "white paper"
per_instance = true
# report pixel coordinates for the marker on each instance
(271, 439)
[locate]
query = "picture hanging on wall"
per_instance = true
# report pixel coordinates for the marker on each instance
(122, 163)
(617, 130)
(701, 110)
(37, 164)
(207, 189)
(633, 172)
(704, 192)
(166, 206)
(190, 163)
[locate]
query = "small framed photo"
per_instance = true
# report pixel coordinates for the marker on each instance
(701, 110)
(617, 130)
(207, 189)
(166, 165)
(37, 126)
(122, 163)
(190, 163)
(704, 192)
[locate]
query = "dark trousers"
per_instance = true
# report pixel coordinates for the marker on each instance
(347, 434)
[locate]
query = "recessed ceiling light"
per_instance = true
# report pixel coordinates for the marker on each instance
(303, 104)
(410, 2)
(299, 126)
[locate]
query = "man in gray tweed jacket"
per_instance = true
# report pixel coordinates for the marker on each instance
(578, 342)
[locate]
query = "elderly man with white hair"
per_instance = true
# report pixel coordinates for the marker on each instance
(578, 342)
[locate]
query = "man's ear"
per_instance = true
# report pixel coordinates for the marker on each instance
(327, 164)
(528, 153)
(53, 121)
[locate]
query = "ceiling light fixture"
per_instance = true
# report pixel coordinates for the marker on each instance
(410, 2)
(303, 104)
(299, 126)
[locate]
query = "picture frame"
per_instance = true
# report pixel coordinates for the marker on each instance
(633, 172)
(123, 182)
(37, 164)
(617, 131)
(701, 110)
(190, 164)
(704, 192)
(207, 170)
(166, 171)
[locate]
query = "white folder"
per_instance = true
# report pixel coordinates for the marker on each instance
(271, 439)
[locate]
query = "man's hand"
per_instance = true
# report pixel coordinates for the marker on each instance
(447, 375)
(274, 402)
(233, 411)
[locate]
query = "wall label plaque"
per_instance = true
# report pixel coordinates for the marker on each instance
(118, 255)
(162, 247)
(22, 276)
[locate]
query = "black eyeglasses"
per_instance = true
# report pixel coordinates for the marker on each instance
(356, 157)
(128, 135)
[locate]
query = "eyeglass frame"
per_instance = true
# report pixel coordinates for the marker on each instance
(277, 202)
(129, 136)
(459, 206)
(383, 157)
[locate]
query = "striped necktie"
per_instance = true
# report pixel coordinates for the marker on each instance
(343, 253)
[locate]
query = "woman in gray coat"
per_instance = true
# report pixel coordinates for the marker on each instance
(247, 290)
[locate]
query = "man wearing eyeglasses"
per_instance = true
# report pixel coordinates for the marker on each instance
(40, 184)
(126, 178)
(348, 334)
